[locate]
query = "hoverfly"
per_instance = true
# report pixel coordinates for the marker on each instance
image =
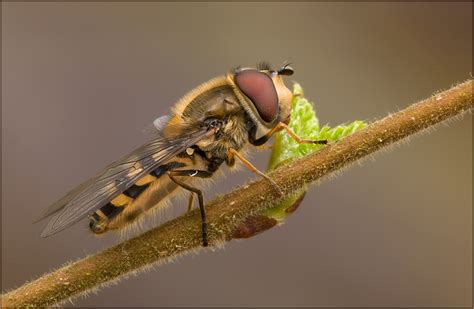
(207, 127)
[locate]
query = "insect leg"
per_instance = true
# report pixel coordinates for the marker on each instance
(298, 139)
(233, 152)
(194, 173)
(190, 201)
(284, 126)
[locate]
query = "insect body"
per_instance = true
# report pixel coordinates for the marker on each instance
(207, 127)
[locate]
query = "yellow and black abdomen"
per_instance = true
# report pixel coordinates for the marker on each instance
(146, 193)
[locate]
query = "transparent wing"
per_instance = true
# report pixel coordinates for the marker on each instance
(116, 178)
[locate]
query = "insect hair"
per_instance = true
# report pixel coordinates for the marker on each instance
(264, 66)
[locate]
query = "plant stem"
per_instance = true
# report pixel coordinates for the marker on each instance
(229, 211)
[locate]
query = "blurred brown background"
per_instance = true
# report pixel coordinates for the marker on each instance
(81, 81)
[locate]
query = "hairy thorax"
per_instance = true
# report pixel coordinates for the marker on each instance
(231, 133)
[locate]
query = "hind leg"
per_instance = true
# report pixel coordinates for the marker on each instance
(190, 201)
(194, 173)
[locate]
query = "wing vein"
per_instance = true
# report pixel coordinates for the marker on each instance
(116, 178)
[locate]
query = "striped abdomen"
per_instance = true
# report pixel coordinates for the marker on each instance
(146, 193)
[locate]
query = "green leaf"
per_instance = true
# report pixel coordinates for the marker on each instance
(305, 124)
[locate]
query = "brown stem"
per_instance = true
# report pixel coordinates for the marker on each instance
(225, 213)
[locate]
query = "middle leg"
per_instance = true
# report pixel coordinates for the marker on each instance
(250, 166)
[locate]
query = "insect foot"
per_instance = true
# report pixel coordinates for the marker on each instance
(274, 185)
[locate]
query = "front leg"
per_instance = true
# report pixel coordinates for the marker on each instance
(283, 126)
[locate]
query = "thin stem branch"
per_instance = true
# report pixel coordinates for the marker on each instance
(229, 211)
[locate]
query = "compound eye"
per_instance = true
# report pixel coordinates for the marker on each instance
(260, 89)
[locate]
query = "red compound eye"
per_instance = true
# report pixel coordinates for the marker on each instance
(259, 88)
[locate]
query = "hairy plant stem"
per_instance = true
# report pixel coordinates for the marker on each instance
(228, 211)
